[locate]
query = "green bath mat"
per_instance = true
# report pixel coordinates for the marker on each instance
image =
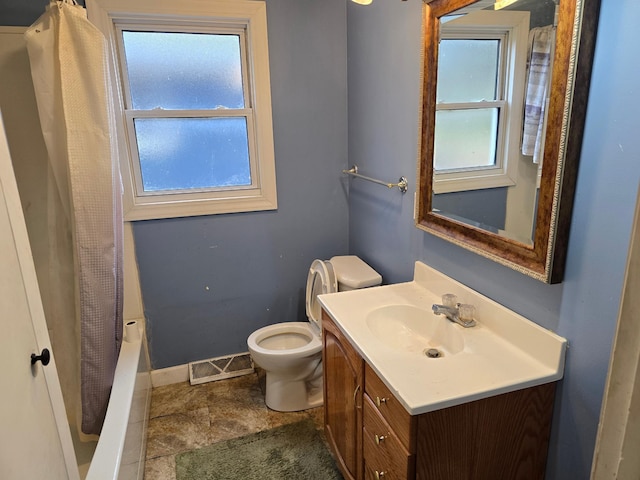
(295, 451)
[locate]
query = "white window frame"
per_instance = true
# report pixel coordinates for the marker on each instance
(246, 18)
(513, 29)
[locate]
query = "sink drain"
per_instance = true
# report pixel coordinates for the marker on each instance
(433, 353)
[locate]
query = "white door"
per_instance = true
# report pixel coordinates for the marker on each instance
(35, 441)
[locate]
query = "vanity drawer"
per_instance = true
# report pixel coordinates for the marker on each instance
(383, 451)
(404, 425)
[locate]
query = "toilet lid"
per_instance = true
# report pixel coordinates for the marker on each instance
(321, 280)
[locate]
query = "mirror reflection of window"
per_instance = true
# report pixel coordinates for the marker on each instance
(479, 98)
(471, 66)
(469, 101)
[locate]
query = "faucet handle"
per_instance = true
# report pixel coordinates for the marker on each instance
(450, 300)
(466, 312)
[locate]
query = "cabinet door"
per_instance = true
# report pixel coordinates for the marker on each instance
(343, 375)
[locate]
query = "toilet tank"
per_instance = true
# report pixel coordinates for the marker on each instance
(353, 273)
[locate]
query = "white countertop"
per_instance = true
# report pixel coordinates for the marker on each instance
(504, 352)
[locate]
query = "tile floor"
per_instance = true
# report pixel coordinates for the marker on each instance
(185, 417)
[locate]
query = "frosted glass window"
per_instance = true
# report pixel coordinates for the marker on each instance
(183, 71)
(467, 70)
(194, 106)
(465, 138)
(192, 153)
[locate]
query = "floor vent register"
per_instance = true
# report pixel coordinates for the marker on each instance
(220, 368)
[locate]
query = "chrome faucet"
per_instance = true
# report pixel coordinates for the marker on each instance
(462, 314)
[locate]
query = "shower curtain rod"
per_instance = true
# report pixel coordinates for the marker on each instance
(402, 184)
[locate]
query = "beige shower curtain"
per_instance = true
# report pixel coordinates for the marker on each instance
(70, 70)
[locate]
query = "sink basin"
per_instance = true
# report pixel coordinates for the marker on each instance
(392, 327)
(415, 330)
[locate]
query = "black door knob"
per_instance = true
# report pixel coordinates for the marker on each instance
(44, 357)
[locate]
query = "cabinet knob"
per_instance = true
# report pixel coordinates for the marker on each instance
(379, 475)
(380, 438)
(380, 401)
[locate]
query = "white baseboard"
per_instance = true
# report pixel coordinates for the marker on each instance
(170, 375)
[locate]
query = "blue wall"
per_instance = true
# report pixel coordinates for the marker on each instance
(384, 58)
(208, 282)
(19, 13)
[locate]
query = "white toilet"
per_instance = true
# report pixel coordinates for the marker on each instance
(291, 352)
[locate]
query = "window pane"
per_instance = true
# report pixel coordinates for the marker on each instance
(183, 71)
(465, 138)
(192, 153)
(467, 70)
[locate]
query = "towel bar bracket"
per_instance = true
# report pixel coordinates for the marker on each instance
(402, 183)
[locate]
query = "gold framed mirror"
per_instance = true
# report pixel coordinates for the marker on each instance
(504, 92)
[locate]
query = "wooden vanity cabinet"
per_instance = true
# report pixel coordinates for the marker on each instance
(389, 432)
(343, 380)
(500, 437)
(374, 438)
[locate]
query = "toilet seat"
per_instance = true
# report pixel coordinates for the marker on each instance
(307, 344)
(321, 280)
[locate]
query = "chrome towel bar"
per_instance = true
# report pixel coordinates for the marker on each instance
(402, 184)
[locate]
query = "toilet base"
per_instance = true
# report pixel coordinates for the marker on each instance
(291, 396)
